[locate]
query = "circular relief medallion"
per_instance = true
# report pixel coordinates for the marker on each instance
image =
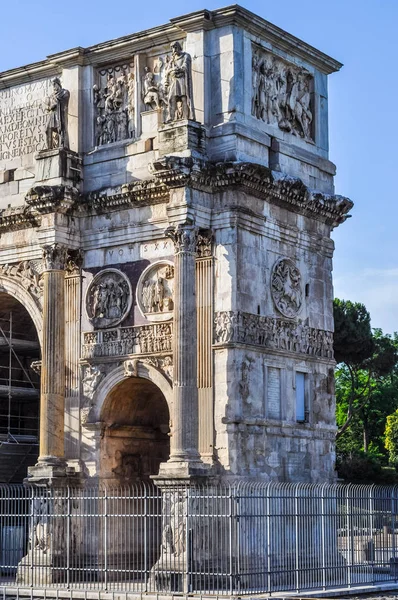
(155, 291)
(286, 287)
(108, 299)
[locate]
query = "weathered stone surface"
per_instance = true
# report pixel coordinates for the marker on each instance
(189, 167)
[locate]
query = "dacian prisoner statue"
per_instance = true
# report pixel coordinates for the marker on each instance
(178, 84)
(57, 125)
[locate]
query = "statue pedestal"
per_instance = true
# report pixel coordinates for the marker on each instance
(184, 138)
(58, 167)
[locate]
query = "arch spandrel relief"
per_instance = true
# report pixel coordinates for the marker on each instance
(108, 299)
(155, 292)
(286, 287)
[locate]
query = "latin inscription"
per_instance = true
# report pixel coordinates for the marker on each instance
(23, 119)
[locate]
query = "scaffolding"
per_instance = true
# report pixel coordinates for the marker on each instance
(19, 400)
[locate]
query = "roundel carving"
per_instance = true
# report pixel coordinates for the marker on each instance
(155, 291)
(108, 299)
(286, 287)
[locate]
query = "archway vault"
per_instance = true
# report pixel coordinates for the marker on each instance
(143, 370)
(17, 291)
(134, 414)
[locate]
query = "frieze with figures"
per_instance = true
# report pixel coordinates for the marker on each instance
(155, 291)
(273, 333)
(282, 94)
(109, 298)
(123, 341)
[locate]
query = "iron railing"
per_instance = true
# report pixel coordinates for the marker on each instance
(243, 538)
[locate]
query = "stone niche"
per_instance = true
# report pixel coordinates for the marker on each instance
(282, 94)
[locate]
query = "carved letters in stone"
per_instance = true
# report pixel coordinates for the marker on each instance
(155, 291)
(270, 332)
(57, 125)
(28, 274)
(282, 94)
(114, 101)
(286, 287)
(108, 299)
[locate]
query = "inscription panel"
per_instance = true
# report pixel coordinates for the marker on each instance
(23, 119)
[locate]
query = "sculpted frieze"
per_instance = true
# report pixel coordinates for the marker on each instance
(123, 341)
(114, 102)
(155, 291)
(28, 273)
(273, 333)
(108, 298)
(282, 94)
(286, 287)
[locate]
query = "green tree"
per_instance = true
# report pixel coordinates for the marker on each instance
(391, 437)
(365, 385)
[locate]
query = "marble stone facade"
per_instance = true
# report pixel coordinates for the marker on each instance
(166, 205)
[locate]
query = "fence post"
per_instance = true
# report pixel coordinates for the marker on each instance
(106, 538)
(323, 537)
(68, 517)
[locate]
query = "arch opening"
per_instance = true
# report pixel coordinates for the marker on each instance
(19, 390)
(135, 420)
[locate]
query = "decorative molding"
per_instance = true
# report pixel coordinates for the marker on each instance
(273, 333)
(43, 199)
(137, 193)
(277, 188)
(108, 298)
(54, 257)
(286, 287)
(29, 274)
(184, 237)
(124, 341)
(204, 244)
(74, 262)
(162, 363)
(15, 218)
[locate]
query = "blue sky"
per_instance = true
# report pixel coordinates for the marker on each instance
(363, 107)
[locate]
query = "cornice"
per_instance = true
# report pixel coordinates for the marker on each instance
(137, 193)
(121, 48)
(260, 181)
(239, 16)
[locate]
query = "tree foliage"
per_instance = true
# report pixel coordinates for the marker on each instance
(366, 381)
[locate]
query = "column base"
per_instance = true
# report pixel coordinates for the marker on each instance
(50, 471)
(182, 470)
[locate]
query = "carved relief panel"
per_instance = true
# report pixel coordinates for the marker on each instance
(114, 103)
(108, 299)
(286, 288)
(155, 291)
(281, 94)
(167, 85)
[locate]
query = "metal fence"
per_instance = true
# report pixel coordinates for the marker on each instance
(230, 539)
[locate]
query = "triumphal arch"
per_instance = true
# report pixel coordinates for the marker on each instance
(166, 262)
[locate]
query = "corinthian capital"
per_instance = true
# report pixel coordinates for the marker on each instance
(54, 257)
(184, 238)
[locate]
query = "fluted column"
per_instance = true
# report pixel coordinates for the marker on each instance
(184, 439)
(204, 292)
(52, 395)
